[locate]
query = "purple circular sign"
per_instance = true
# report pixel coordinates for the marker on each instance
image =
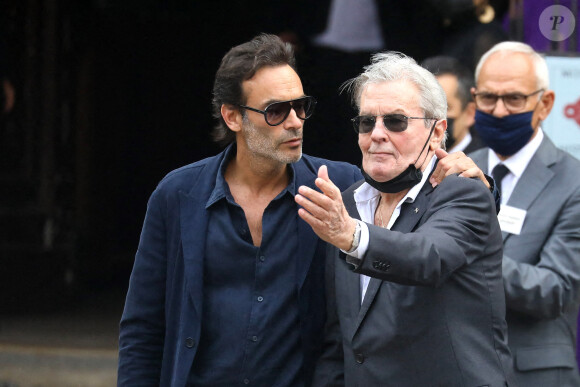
(557, 23)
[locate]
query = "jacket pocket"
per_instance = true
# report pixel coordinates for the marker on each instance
(553, 356)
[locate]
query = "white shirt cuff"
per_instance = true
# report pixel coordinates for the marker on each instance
(363, 244)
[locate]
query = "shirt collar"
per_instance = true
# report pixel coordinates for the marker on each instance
(221, 189)
(366, 192)
(518, 162)
(461, 145)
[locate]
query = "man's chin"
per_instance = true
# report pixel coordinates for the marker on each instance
(292, 157)
(297, 158)
(379, 173)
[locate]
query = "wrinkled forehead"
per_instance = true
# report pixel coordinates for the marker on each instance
(401, 96)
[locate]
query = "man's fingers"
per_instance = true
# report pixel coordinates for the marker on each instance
(450, 163)
(328, 188)
(440, 153)
(471, 172)
(314, 196)
(308, 218)
(325, 184)
(316, 210)
(323, 173)
(475, 172)
(441, 170)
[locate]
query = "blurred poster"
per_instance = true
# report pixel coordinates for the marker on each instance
(563, 123)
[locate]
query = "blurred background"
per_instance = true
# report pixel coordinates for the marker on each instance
(101, 98)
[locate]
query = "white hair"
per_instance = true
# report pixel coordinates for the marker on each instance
(394, 66)
(540, 66)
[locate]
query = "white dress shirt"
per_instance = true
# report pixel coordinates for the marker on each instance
(461, 145)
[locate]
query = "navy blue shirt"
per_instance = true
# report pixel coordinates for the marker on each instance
(250, 320)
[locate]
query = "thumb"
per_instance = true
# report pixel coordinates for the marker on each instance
(440, 153)
(323, 173)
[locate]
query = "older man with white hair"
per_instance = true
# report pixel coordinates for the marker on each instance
(540, 215)
(414, 286)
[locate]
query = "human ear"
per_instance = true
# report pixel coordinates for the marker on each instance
(438, 133)
(232, 117)
(546, 104)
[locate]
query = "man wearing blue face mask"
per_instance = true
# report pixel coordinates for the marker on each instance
(539, 216)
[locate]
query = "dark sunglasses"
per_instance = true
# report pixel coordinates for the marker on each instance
(393, 122)
(277, 112)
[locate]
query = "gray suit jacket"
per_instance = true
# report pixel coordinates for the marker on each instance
(434, 313)
(541, 269)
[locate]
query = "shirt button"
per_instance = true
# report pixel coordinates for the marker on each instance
(254, 338)
(260, 298)
(189, 342)
(246, 381)
(243, 231)
(262, 258)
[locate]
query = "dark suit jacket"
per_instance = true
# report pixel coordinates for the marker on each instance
(433, 314)
(541, 269)
(161, 325)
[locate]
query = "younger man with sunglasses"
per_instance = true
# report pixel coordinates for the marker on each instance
(228, 283)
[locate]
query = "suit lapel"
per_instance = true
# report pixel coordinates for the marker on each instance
(408, 218)
(352, 280)
(193, 222)
(534, 179)
(481, 158)
(193, 219)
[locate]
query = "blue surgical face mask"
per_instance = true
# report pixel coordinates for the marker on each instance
(505, 135)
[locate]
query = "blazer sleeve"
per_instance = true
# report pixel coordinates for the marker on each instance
(551, 286)
(454, 231)
(142, 327)
(329, 371)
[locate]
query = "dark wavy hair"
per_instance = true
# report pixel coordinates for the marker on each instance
(240, 64)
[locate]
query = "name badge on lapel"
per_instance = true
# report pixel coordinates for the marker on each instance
(511, 219)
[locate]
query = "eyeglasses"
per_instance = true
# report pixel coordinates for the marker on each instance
(513, 102)
(277, 112)
(393, 122)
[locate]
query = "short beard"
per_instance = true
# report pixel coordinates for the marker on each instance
(263, 146)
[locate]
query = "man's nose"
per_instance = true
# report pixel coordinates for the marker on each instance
(500, 110)
(379, 132)
(292, 121)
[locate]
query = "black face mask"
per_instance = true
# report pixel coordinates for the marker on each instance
(406, 179)
(450, 140)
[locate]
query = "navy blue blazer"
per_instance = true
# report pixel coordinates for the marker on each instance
(161, 323)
